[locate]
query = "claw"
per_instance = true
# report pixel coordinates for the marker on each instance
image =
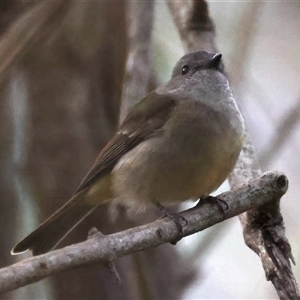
(179, 221)
(216, 201)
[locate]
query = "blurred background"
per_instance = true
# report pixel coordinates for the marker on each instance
(62, 68)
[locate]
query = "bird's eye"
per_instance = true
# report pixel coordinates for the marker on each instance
(185, 69)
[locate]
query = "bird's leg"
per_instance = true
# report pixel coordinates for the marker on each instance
(178, 220)
(217, 201)
(93, 232)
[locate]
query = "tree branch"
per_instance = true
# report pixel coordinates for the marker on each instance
(263, 227)
(99, 248)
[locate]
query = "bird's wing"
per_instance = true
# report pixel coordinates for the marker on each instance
(148, 116)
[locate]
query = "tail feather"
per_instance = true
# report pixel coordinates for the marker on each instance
(55, 228)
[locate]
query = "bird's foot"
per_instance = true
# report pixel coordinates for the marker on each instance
(179, 221)
(217, 201)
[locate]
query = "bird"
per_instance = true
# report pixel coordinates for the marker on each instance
(180, 142)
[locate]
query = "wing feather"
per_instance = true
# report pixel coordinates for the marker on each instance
(141, 124)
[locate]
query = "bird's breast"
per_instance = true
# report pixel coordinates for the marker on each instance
(190, 158)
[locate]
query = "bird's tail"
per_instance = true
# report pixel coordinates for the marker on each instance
(56, 227)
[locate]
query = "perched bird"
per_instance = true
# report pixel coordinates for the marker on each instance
(180, 142)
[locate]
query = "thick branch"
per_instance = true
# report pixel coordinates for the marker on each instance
(99, 248)
(263, 228)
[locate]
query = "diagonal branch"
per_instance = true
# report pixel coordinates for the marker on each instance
(100, 248)
(263, 227)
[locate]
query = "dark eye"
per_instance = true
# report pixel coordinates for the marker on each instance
(185, 69)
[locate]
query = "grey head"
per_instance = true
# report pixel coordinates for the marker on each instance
(198, 76)
(196, 72)
(197, 61)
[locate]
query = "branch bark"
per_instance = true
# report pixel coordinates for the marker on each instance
(263, 227)
(100, 248)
